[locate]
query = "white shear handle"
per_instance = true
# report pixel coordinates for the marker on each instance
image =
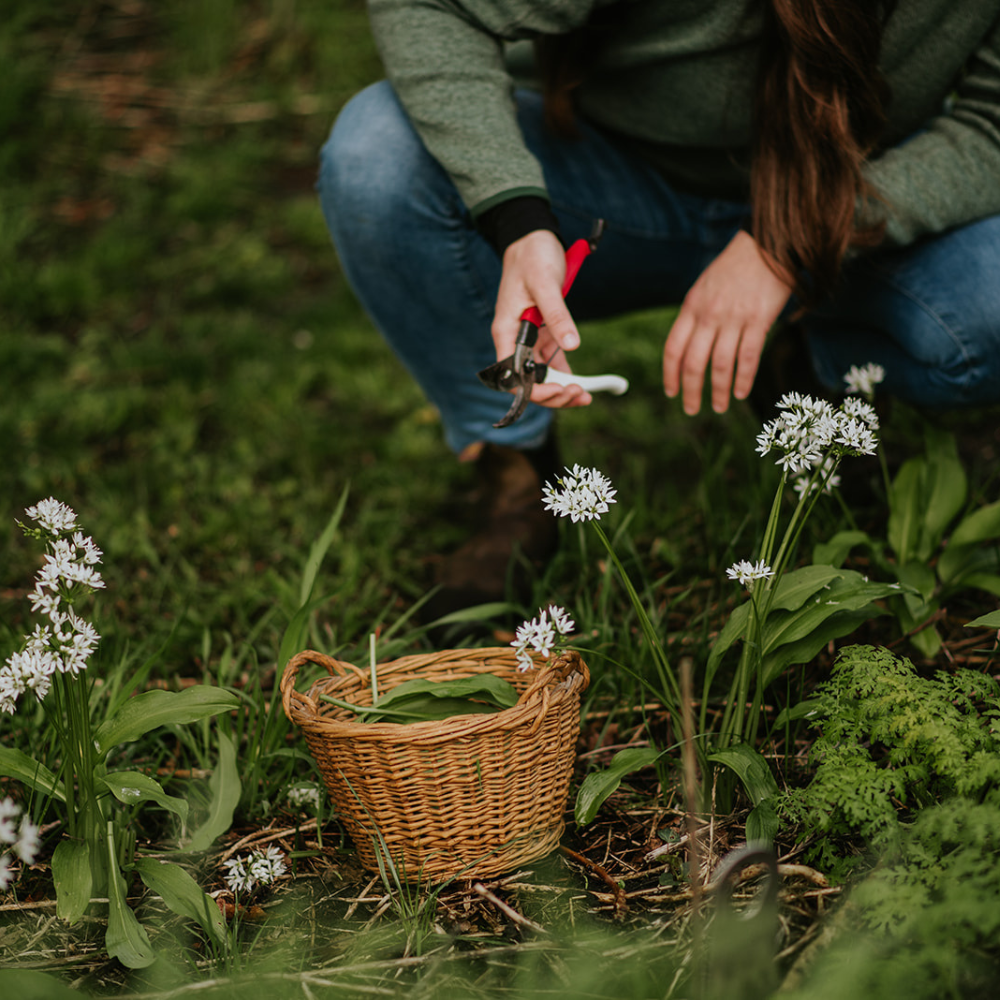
(591, 383)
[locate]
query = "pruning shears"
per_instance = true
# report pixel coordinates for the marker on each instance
(520, 372)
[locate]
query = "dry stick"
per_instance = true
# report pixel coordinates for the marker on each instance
(690, 786)
(509, 911)
(621, 900)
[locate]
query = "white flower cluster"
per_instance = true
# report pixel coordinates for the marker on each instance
(258, 868)
(301, 796)
(65, 644)
(746, 572)
(584, 495)
(864, 379)
(22, 838)
(809, 430)
(541, 634)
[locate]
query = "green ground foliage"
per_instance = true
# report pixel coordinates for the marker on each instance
(183, 363)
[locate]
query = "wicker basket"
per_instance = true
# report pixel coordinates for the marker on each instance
(473, 795)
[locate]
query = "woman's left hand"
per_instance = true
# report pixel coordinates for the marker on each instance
(724, 320)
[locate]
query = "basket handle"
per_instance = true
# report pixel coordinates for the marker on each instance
(335, 668)
(569, 669)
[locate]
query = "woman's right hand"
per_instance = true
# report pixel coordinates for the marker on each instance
(534, 268)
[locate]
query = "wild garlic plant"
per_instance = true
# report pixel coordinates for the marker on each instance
(95, 802)
(810, 437)
(54, 657)
(584, 495)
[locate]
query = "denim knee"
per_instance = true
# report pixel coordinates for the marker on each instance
(929, 314)
(368, 165)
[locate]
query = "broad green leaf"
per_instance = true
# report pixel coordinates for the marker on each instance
(796, 587)
(72, 878)
(835, 551)
(422, 699)
(928, 641)
(126, 939)
(21, 767)
(906, 502)
(427, 708)
(990, 582)
(183, 895)
(751, 768)
(991, 620)
(805, 649)
(832, 590)
(965, 546)
(946, 489)
(911, 613)
(133, 787)
(979, 526)
(488, 687)
(920, 577)
(598, 785)
(224, 786)
(26, 984)
(850, 592)
(152, 709)
(762, 823)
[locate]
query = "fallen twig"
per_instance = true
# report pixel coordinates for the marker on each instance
(620, 899)
(508, 911)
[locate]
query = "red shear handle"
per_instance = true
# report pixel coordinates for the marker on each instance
(575, 256)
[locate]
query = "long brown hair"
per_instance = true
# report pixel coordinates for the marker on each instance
(820, 108)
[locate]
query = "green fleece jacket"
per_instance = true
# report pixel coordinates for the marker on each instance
(674, 80)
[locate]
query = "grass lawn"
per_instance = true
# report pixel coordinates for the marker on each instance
(182, 362)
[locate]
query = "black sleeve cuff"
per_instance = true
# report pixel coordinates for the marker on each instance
(507, 222)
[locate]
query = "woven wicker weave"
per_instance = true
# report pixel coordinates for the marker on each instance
(473, 795)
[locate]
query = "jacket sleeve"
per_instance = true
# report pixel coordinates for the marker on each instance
(948, 174)
(445, 61)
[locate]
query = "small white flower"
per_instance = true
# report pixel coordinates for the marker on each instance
(863, 380)
(5, 874)
(53, 516)
(267, 866)
(9, 811)
(238, 876)
(541, 634)
(584, 495)
(301, 796)
(857, 436)
(28, 841)
(855, 406)
(747, 572)
(259, 868)
(24, 839)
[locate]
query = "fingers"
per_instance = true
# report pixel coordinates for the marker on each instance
(722, 326)
(728, 354)
(533, 272)
(560, 397)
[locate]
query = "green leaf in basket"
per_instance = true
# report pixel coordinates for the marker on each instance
(422, 700)
(427, 708)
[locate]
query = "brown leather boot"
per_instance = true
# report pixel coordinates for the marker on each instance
(516, 534)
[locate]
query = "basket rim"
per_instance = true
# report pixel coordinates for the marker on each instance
(532, 706)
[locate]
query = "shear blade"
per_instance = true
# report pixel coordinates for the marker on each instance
(516, 408)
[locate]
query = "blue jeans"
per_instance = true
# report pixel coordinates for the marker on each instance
(929, 313)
